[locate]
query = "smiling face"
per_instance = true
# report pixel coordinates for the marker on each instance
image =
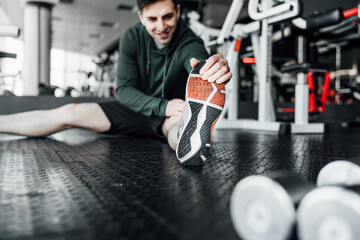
(160, 20)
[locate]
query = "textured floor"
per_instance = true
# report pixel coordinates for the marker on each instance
(81, 185)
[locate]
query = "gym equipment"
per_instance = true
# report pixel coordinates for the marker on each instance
(305, 103)
(341, 173)
(305, 91)
(6, 79)
(263, 206)
(37, 36)
(105, 75)
(334, 38)
(330, 213)
(260, 32)
(9, 31)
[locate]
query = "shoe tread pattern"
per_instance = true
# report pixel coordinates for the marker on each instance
(205, 134)
(211, 116)
(219, 97)
(198, 88)
(184, 143)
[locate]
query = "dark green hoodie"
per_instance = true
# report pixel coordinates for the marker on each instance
(148, 77)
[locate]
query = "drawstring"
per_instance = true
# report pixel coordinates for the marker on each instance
(163, 80)
(148, 59)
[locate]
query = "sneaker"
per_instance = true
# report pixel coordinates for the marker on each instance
(204, 102)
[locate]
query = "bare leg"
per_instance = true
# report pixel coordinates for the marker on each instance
(44, 122)
(170, 128)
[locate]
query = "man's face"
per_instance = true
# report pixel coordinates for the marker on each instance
(160, 20)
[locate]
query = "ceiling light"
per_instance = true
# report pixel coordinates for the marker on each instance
(67, 1)
(126, 7)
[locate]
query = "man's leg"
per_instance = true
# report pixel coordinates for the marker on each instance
(44, 122)
(170, 129)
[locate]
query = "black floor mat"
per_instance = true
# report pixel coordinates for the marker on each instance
(81, 185)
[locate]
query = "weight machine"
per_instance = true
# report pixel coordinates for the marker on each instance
(264, 14)
(7, 30)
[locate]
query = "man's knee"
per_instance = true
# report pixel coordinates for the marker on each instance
(66, 114)
(169, 123)
(78, 108)
(69, 110)
(85, 115)
(73, 113)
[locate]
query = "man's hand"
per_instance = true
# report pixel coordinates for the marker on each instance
(216, 69)
(175, 107)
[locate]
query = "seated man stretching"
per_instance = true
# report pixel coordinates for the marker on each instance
(155, 60)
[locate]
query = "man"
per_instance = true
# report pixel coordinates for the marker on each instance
(155, 59)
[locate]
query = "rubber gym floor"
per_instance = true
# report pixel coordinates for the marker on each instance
(81, 185)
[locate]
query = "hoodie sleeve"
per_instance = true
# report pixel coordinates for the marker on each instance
(128, 78)
(193, 49)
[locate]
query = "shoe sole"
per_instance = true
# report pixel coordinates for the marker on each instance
(205, 103)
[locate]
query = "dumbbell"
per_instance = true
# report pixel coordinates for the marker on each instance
(340, 173)
(264, 206)
(332, 211)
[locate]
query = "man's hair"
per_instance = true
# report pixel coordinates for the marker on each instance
(143, 3)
